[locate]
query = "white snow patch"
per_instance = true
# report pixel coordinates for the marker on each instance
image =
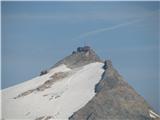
(60, 101)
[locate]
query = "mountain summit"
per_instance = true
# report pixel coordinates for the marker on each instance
(82, 56)
(79, 87)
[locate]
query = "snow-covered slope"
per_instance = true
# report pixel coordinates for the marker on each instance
(68, 91)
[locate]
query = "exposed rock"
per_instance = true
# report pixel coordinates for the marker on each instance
(83, 56)
(47, 84)
(114, 100)
(24, 93)
(40, 118)
(107, 64)
(45, 118)
(74, 52)
(60, 75)
(83, 49)
(43, 72)
(49, 118)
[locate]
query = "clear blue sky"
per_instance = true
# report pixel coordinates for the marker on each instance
(35, 35)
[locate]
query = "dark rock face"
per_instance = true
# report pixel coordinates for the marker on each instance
(43, 72)
(83, 56)
(107, 64)
(114, 100)
(83, 49)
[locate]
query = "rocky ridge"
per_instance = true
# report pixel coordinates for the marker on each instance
(115, 99)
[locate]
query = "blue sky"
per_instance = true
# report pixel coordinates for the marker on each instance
(35, 35)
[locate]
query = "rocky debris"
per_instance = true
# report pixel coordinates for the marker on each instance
(40, 118)
(24, 93)
(114, 100)
(43, 72)
(60, 75)
(49, 117)
(47, 84)
(83, 56)
(45, 118)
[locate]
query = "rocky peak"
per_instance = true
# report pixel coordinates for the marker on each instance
(80, 57)
(83, 49)
(86, 50)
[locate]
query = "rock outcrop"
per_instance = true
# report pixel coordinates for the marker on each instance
(114, 100)
(43, 72)
(47, 84)
(83, 56)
